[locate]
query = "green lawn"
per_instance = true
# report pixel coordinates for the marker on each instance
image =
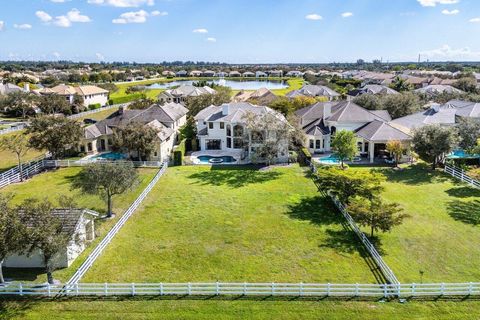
(233, 224)
(443, 234)
(100, 115)
(293, 84)
(57, 183)
(9, 159)
(238, 309)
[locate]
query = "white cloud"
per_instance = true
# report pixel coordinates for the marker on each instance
(313, 16)
(159, 13)
(475, 20)
(100, 56)
(43, 16)
(74, 15)
(347, 14)
(132, 17)
(433, 3)
(446, 52)
(450, 12)
(63, 21)
(2, 25)
(24, 26)
(211, 39)
(200, 30)
(56, 54)
(123, 3)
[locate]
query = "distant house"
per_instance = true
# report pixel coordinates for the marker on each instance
(294, 73)
(167, 73)
(222, 128)
(90, 94)
(260, 74)
(262, 96)
(314, 91)
(221, 74)
(208, 73)
(181, 74)
(9, 88)
(445, 115)
(416, 82)
(166, 119)
(436, 89)
(248, 74)
(323, 120)
(77, 224)
(372, 89)
(234, 74)
(182, 93)
(195, 73)
(275, 73)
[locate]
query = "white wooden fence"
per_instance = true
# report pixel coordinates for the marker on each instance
(111, 234)
(382, 266)
(245, 289)
(36, 166)
(13, 129)
(85, 113)
(460, 174)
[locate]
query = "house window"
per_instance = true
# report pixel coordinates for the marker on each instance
(155, 154)
(229, 142)
(222, 125)
(237, 131)
(311, 143)
(210, 125)
(89, 146)
(237, 143)
(317, 144)
(229, 130)
(214, 144)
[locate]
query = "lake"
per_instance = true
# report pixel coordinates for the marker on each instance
(234, 84)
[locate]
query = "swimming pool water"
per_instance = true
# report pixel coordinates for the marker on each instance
(109, 156)
(206, 159)
(329, 160)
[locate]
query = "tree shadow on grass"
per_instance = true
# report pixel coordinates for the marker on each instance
(14, 308)
(414, 175)
(465, 211)
(234, 177)
(320, 210)
(463, 191)
(24, 274)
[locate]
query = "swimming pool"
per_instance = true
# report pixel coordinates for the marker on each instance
(215, 160)
(461, 154)
(109, 156)
(331, 159)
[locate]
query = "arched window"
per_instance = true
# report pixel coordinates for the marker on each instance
(229, 130)
(237, 131)
(333, 130)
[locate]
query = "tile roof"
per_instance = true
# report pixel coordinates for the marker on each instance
(381, 131)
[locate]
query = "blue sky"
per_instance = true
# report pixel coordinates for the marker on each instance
(240, 31)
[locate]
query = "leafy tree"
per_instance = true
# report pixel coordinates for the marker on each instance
(106, 180)
(138, 137)
(54, 103)
(19, 145)
(467, 84)
(141, 104)
(54, 134)
(46, 232)
(197, 104)
(344, 146)
(346, 184)
(369, 101)
(396, 148)
(269, 133)
(376, 214)
(19, 103)
(469, 132)
(189, 130)
(78, 104)
(399, 105)
(432, 142)
(12, 231)
(399, 84)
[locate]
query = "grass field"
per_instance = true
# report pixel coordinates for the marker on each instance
(57, 183)
(233, 224)
(237, 309)
(98, 115)
(441, 238)
(9, 159)
(293, 84)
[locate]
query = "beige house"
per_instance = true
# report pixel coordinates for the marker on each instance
(262, 96)
(166, 119)
(90, 94)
